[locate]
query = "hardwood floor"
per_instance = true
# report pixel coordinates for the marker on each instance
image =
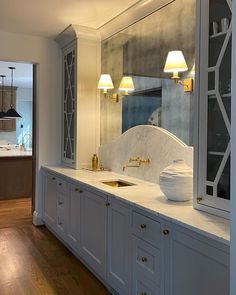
(34, 262)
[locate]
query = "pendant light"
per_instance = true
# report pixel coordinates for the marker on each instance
(12, 113)
(2, 113)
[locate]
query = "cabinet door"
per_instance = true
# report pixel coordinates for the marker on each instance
(118, 264)
(194, 267)
(69, 105)
(93, 231)
(50, 201)
(74, 209)
(214, 87)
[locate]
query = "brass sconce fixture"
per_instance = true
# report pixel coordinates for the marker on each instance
(175, 63)
(105, 83)
(126, 85)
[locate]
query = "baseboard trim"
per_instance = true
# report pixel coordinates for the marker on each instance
(37, 219)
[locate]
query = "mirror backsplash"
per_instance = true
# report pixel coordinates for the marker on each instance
(140, 51)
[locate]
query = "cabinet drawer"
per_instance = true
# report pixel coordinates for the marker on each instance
(146, 228)
(146, 260)
(61, 185)
(145, 287)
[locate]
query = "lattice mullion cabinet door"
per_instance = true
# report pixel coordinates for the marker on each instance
(214, 107)
(69, 104)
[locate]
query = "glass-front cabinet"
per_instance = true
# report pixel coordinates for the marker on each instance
(69, 105)
(214, 106)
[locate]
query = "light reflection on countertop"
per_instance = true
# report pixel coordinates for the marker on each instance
(149, 197)
(13, 151)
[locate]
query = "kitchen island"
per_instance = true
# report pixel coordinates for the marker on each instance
(15, 173)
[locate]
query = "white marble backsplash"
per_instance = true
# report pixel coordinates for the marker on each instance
(144, 141)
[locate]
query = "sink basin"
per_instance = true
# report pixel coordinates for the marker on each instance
(117, 183)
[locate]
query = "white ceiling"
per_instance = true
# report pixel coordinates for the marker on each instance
(22, 75)
(49, 17)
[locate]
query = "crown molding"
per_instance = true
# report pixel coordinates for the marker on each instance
(133, 14)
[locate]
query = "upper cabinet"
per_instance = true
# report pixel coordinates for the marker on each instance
(8, 125)
(69, 104)
(214, 106)
(81, 59)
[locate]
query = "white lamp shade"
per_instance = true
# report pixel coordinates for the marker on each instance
(126, 84)
(175, 62)
(105, 82)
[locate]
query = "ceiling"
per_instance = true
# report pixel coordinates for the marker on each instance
(48, 18)
(22, 75)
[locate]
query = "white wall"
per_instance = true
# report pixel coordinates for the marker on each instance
(47, 54)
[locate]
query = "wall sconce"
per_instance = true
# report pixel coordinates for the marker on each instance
(176, 63)
(126, 85)
(105, 83)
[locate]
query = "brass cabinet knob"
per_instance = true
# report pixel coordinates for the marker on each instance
(166, 232)
(144, 259)
(108, 204)
(60, 184)
(53, 178)
(143, 225)
(76, 189)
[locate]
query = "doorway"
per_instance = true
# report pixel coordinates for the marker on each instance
(17, 139)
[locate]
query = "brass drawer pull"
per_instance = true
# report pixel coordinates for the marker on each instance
(166, 232)
(144, 259)
(143, 225)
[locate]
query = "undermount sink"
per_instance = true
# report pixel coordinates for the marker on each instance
(117, 183)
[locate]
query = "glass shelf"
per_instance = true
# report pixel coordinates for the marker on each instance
(221, 34)
(213, 153)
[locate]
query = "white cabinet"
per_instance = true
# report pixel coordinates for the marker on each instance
(131, 250)
(147, 255)
(94, 231)
(74, 215)
(50, 200)
(194, 265)
(55, 204)
(212, 153)
(69, 104)
(118, 247)
(81, 50)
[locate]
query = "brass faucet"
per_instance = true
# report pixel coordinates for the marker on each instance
(137, 162)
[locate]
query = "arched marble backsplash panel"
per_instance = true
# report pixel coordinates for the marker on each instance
(144, 141)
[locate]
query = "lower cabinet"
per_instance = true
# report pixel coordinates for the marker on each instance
(50, 200)
(118, 247)
(132, 251)
(55, 203)
(74, 216)
(93, 231)
(194, 265)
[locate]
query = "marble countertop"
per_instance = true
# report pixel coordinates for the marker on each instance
(14, 152)
(148, 196)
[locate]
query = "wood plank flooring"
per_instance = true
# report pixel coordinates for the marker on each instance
(34, 262)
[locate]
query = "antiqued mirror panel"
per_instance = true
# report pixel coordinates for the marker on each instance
(140, 52)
